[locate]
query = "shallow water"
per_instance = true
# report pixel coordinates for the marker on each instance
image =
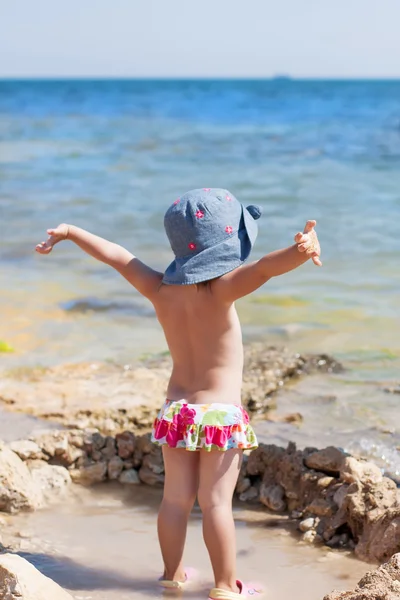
(112, 155)
(18, 426)
(339, 411)
(103, 546)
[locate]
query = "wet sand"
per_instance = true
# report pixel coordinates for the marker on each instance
(102, 545)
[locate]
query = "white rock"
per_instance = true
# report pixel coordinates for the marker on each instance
(52, 480)
(17, 487)
(26, 449)
(307, 524)
(309, 536)
(53, 443)
(355, 470)
(131, 477)
(19, 580)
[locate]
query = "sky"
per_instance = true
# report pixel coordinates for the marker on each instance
(199, 38)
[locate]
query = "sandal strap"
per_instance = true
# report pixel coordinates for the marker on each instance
(171, 585)
(219, 594)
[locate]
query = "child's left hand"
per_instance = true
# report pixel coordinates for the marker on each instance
(308, 242)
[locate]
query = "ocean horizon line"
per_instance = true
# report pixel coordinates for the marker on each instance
(274, 78)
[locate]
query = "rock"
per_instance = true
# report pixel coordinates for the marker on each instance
(76, 438)
(115, 467)
(354, 470)
(26, 449)
(265, 456)
(380, 538)
(98, 441)
(250, 495)
(334, 542)
(325, 482)
(309, 536)
(148, 476)
(96, 455)
(273, 497)
(321, 508)
(17, 487)
(154, 461)
(129, 477)
(109, 426)
(90, 473)
(110, 449)
(243, 485)
(392, 389)
(70, 456)
(340, 495)
(19, 580)
(53, 443)
(329, 460)
(125, 444)
(307, 524)
(382, 584)
(268, 369)
(52, 480)
(143, 445)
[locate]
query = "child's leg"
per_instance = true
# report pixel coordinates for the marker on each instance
(180, 489)
(219, 472)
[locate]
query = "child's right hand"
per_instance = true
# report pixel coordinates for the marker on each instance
(308, 242)
(56, 235)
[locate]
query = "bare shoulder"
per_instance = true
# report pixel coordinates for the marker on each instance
(145, 279)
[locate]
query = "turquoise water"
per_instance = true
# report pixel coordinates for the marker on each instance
(110, 156)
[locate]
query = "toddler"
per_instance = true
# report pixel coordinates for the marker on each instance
(202, 427)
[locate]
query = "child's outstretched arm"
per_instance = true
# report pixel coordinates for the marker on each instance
(142, 277)
(246, 279)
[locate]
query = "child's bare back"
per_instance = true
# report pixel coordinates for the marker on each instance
(204, 337)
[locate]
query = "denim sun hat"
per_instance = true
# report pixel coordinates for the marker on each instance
(210, 232)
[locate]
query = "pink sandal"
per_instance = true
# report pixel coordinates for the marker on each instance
(168, 584)
(246, 590)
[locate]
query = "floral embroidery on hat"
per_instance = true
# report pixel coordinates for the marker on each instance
(207, 189)
(228, 229)
(199, 214)
(229, 198)
(192, 246)
(177, 201)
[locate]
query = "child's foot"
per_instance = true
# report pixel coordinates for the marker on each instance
(245, 591)
(178, 585)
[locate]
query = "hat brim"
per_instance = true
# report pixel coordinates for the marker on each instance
(214, 261)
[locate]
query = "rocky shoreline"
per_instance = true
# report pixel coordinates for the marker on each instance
(336, 499)
(333, 498)
(105, 412)
(113, 398)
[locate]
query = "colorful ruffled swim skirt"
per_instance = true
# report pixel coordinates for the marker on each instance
(215, 426)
